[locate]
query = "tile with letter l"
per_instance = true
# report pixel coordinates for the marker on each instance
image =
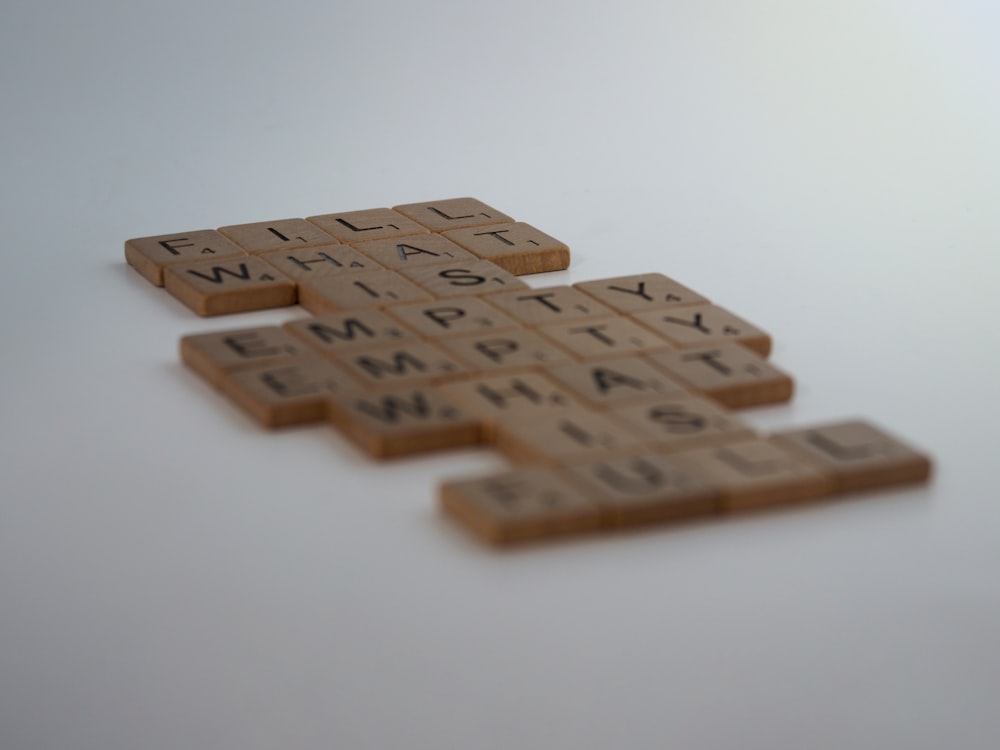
(282, 234)
(214, 354)
(517, 247)
(150, 255)
(614, 382)
(370, 289)
(334, 333)
(229, 285)
(705, 325)
(639, 292)
(368, 224)
(412, 251)
(604, 337)
(462, 278)
(453, 213)
(684, 421)
(577, 435)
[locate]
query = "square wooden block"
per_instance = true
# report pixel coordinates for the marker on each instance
(351, 291)
(552, 304)
(604, 337)
(518, 247)
(462, 278)
(705, 325)
(282, 234)
(403, 421)
(453, 213)
(755, 473)
(369, 224)
(404, 364)
(224, 286)
(729, 373)
(504, 350)
(455, 316)
(640, 292)
(519, 505)
(415, 250)
(150, 255)
(642, 488)
(214, 354)
(683, 422)
(335, 333)
(611, 383)
(579, 435)
(858, 454)
(316, 262)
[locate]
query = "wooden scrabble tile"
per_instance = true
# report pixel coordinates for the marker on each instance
(229, 285)
(453, 213)
(860, 455)
(552, 304)
(150, 255)
(283, 234)
(705, 325)
(404, 364)
(643, 487)
(370, 289)
(729, 373)
(522, 395)
(518, 247)
(403, 421)
(505, 350)
(614, 382)
(294, 391)
(369, 224)
(519, 505)
(683, 422)
(455, 316)
(639, 292)
(415, 250)
(462, 278)
(604, 337)
(335, 333)
(214, 354)
(755, 473)
(316, 262)
(579, 435)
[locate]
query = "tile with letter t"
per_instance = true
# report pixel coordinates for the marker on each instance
(462, 278)
(455, 316)
(505, 350)
(283, 234)
(349, 291)
(604, 337)
(519, 505)
(214, 354)
(639, 292)
(316, 262)
(335, 333)
(553, 304)
(518, 247)
(704, 325)
(403, 364)
(611, 383)
(415, 250)
(860, 455)
(229, 285)
(369, 224)
(684, 421)
(578, 435)
(453, 213)
(150, 255)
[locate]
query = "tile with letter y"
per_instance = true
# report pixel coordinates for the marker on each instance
(453, 213)
(229, 285)
(684, 421)
(282, 234)
(214, 354)
(640, 292)
(704, 325)
(574, 436)
(335, 333)
(463, 278)
(368, 224)
(517, 247)
(370, 289)
(150, 255)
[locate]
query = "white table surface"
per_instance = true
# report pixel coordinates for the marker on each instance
(171, 576)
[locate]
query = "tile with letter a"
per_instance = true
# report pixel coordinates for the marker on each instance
(575, 436)
(415, 250)
(371, 289)
(639, 292)
(212, 355)
(614, 382)
(519, 505)
(403, 364)
(684, 421)
(518, 247)
(462, 278)
(455, 316)
(453, 213)
(729, 373)
(860, 455)
(643, 487)
(316, 262)
(150, 255)
(505, 350)
(283, 234)
(553, 304)
(403, 421)
(335, 333)
(705, 325)
(604, 337)
(756, 473)
(229, 285)
(369, 224)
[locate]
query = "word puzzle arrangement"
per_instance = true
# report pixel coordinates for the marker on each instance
(613, 398)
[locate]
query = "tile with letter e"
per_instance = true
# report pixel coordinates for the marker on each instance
(316, 262)
(505, 350)
(683, 422)
(604, 337)
(334, 333)
(640, 292)
(729, 373)
(403, 421)
(455, 316)
(282, 234)
(294, 391)
(614, 382)
(416, 250)
(453, 213)
(643, 487)
(704, 325)
(229, 285)
(214, 354)
(578, 435)
(860, 455)
(518, 247)
(403, 364)
(519, 505)
(552, 304)
(369, 224)
(349, 291)
(755, 473)
(150, 255)
(462, 278)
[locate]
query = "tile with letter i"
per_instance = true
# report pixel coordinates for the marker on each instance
(229, 285)
(575, 436)
(371, 289)
(283, 234)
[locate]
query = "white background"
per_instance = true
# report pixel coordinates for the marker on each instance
(172, 576)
